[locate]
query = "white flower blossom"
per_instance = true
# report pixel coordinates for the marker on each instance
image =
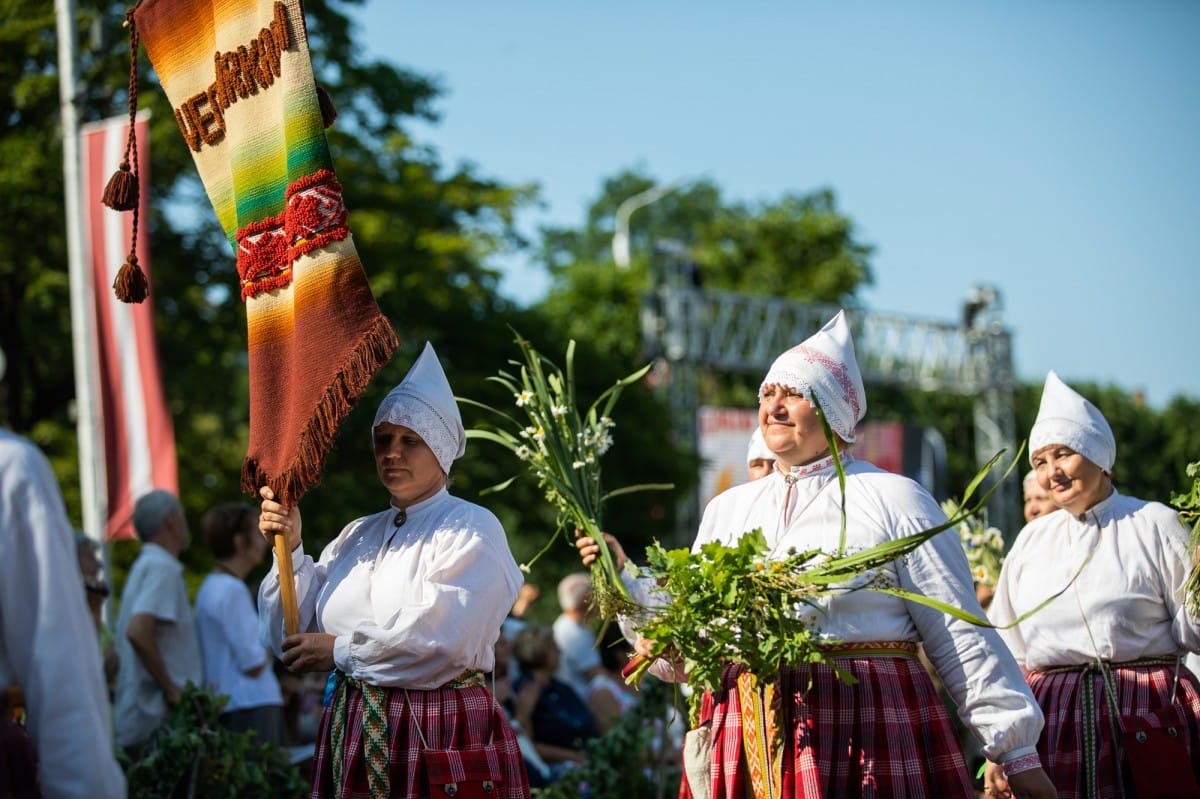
(558, 410)
(524, 398)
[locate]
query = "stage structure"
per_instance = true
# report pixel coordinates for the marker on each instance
(687, 329)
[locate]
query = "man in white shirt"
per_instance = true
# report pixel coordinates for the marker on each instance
(156, 635)
(47, 641)
(580, 660)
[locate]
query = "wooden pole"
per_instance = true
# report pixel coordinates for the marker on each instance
(287, 585)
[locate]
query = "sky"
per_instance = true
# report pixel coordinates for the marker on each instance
(1048, 149)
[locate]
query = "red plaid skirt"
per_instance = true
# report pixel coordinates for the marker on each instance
(888, 735)
(1140, 689)
(448, 718)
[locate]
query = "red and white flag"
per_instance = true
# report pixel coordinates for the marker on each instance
(139, 441)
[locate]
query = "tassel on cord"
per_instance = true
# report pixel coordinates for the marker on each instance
(121, 193)
(131, 284)
(328, 110)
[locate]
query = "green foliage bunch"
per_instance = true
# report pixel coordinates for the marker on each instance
(562, 447)
(741, 604)
(1188, 505)
(192, 755)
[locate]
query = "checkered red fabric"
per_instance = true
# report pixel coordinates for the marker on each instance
(887, 735)
(1140, 691)
(459, 718)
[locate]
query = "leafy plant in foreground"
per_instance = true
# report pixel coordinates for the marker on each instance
(192, 755)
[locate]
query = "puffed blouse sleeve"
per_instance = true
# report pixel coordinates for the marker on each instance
(976, 667)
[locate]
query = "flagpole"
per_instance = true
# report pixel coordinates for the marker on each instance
(90, 446)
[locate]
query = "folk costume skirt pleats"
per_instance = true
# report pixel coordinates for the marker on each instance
(887, 735)
(1073, 701)
(447, 718)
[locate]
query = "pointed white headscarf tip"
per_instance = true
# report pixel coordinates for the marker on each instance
(824, 364)
(424, 403)
(1066, 417)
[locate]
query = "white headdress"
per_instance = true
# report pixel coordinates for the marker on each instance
(1066, 418)
(424, 403)
(824, 364)
(758, 448)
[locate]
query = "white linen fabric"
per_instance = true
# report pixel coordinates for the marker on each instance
(410, 606)
(227, 627)
(980, 674)
(1066, 417)
(824, 364)
(155, 587)
(1129, 592)
(578, 654)
(48, 642)
(424, 403)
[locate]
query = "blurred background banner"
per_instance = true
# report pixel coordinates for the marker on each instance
(138, 440)
(724, 441)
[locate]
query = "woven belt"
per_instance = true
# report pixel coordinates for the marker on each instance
(867, 649)
(1091, 747)
(375, 732)
(1158, 660)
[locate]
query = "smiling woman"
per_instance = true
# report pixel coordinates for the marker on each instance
(1105, 661)
(405, 607)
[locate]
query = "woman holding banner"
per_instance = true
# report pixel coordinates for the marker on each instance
(405, 607)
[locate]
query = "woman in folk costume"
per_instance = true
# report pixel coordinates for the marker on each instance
(1114, 640)
(886, 733)
(760, 461)
(406, 605)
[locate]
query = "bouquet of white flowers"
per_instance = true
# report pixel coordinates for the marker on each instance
(562, 447)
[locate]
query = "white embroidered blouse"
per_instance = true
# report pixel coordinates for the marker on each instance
(1127, 598)
(411, 606)
(974, 664)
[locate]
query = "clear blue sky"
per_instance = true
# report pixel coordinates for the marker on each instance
(1049, 148)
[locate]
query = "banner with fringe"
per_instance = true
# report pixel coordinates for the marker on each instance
(239, 78)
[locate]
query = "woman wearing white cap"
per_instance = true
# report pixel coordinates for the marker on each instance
(405, 607)
(886, 732)
(1115, 638)
(760, 461)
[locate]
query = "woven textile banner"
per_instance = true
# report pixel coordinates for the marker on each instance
(139, 441)
(238, 76)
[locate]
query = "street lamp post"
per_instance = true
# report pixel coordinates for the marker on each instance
(620, 239)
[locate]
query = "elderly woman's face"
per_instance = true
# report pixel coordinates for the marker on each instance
(790, 426)
(1073, 481)
(1038, 501)
(406, 465)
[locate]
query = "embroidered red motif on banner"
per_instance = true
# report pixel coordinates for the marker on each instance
(314, 217)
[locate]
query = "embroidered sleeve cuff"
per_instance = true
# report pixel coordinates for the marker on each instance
(1021, 760)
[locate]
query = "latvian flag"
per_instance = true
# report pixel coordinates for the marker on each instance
(139, 442)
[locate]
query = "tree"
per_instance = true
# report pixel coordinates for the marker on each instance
(799, 247)
(423, 231)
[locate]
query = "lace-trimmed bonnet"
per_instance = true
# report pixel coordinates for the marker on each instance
(424, 403)
(1065, 417)
(825, 364)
